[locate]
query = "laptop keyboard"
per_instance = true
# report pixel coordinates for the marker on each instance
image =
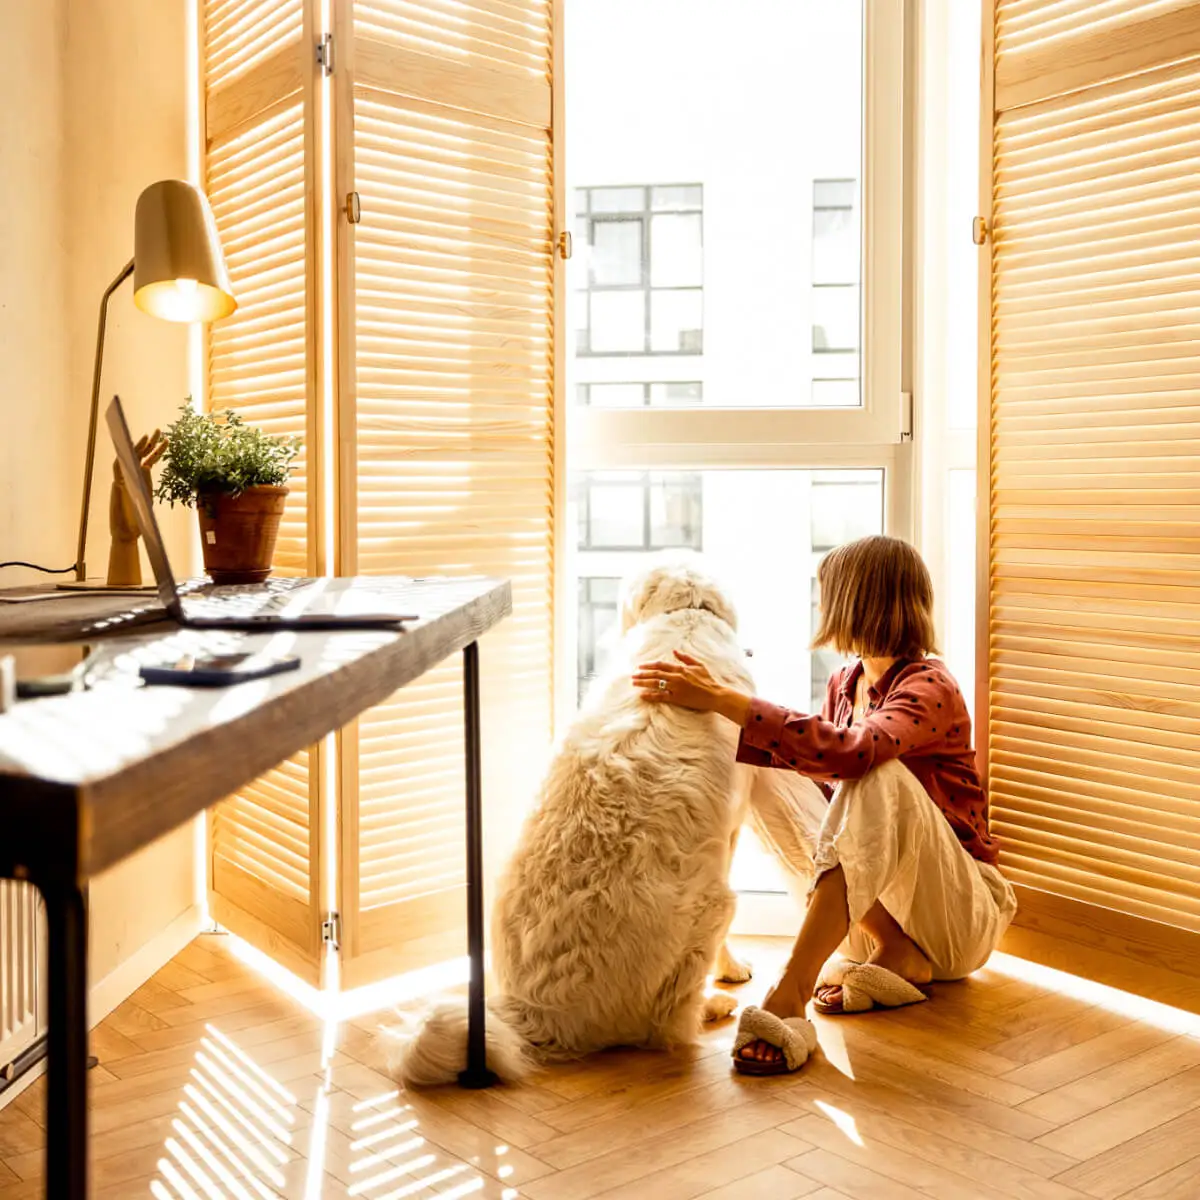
(276, 596)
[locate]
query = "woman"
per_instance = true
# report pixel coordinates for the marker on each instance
(904, 859)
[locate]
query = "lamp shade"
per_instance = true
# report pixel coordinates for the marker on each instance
(178, 268)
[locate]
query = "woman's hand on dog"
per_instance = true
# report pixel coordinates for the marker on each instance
(688, 683)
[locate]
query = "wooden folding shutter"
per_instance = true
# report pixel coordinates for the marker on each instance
(446, 406)
(1093, 429)
(260, 167)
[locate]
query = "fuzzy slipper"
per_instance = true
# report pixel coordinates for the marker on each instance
(795, 1036)
(864, 985)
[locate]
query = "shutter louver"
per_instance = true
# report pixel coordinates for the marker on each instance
(1094, 539)
(447, 403)
(264, 842)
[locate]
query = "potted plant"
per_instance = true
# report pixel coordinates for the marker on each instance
(236, 477)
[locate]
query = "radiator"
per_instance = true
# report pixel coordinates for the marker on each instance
(21, 956)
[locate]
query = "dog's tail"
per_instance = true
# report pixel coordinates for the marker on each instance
(435, 1051)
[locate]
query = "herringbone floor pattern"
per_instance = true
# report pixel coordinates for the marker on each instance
(211, 1084)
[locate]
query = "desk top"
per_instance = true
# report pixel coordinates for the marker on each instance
(114, 767)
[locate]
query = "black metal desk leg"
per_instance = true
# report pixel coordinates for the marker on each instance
(66, 1103)
(477, 1074)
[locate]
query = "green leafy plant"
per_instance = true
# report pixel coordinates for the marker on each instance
(219, 452)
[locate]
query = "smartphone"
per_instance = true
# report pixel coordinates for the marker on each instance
(49, 670)
(218, 670)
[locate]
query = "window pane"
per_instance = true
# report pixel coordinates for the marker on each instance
(677, 321)
(675, 511)
(834, 320)
(676, 197)
(597, 625)
(835, 246)
(613, 512)
(746, 216)
(721, 513)
(618, 322)
(835, 393)
(614, 395)
(616, 253)
(845, 506)
(835, 193)
(618, 200)
(677, 394)
(675, 253)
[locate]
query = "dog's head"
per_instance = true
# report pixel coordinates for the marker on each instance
(673, 585)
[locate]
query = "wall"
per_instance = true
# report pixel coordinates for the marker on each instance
(38, 449)
(126, 126)
(92, 108)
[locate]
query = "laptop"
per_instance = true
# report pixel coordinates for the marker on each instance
(379, 603)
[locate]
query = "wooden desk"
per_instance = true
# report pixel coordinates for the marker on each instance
(88, 778)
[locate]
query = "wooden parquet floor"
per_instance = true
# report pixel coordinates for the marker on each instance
(212, 1084)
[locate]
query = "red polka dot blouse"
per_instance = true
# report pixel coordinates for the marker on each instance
(915, 713)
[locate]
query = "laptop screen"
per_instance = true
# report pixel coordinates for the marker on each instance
(143, 506)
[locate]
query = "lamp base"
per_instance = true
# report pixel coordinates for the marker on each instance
(101, 585)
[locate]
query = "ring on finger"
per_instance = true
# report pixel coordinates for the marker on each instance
(662, 685)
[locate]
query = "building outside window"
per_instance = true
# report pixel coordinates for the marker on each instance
(640, 395)
(643, 289)
(597, 623)
(835, 293)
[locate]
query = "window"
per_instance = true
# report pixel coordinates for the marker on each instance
(762, 533)
(640, 511)
(644, 251)
(846, 505)
(639, 395)
(597, 625)
(824, 661)
(736, 360)
(835, 292)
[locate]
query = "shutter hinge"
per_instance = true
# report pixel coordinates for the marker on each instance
(906, 416)
(325, 54)
(331, 930)
(566, 244)
(979, 230)
(353, 208)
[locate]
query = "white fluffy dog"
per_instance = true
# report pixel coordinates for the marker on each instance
(615, 906)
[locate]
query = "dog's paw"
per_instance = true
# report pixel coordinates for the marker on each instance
(731, 969)
(718, 1006)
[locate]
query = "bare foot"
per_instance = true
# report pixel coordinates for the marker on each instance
(901, 958)
(782, 1001)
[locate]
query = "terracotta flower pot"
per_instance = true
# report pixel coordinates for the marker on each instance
(238, 533)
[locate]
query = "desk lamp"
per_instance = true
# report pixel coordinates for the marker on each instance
(179, 275)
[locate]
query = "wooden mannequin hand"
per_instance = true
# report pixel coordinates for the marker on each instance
(124, 563)
(122, 520)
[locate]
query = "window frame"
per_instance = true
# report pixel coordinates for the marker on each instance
(803, 435)
(877, 434)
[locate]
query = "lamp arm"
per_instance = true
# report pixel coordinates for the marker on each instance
(80, 565)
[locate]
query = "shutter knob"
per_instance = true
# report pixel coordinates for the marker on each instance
(979, 231)
(353, 208)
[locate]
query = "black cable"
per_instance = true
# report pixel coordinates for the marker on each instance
(44, 570)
